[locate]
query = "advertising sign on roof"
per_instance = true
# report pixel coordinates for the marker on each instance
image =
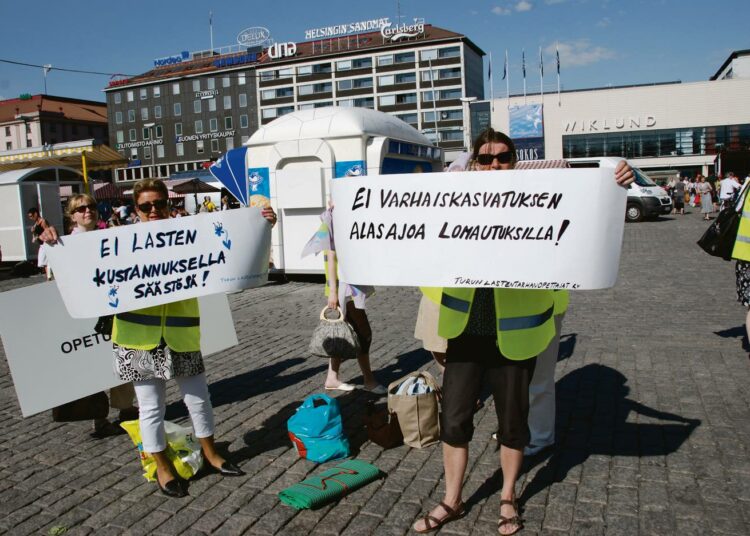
(400, 31)
(170, 60)
(349, 28)
(251, 37)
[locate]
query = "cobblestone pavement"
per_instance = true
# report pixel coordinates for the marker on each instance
(653, 421)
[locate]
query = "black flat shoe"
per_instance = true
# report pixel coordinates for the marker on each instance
(173, 488)
(228, 469)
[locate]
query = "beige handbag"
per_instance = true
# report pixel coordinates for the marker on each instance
(334, 336)
(418, 414)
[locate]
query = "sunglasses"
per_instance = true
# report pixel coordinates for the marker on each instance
(504, 157)
(83, 208)
(160, 204)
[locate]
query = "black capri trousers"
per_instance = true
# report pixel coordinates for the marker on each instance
(472, 360)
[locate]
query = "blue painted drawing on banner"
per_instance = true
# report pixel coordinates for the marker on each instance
(350, 168)
(526, 122)
(230, 171)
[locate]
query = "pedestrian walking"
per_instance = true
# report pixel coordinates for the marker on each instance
(704, 190)
(678, 198)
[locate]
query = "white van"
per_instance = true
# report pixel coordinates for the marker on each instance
(646, 199)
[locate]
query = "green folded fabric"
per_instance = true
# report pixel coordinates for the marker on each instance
(329, 485)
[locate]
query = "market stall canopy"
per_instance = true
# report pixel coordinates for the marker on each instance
(107, 190)
(98, 156)
(194, 186)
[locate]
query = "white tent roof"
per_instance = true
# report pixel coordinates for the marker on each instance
(19, 175)
(335, 122)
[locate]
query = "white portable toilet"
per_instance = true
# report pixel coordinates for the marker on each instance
(21, 189)
(291, 160)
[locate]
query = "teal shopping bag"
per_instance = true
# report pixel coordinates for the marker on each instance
(316, 430)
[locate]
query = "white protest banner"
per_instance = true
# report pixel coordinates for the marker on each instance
(146, 264)
(552, 228)
(55, 359)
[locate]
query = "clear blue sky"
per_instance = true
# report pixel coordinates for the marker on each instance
(601, 42)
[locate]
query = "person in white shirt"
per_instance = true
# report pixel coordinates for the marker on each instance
(729, 185)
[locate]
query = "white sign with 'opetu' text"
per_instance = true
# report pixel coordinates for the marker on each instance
(146, 264)
(535, 229)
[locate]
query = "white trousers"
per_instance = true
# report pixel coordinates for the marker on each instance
(152, 395)
(542, 393)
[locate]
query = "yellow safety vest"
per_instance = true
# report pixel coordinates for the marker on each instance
(433, 293)
(562, 299)
(741, 248)
(525, 324)
(178, 323)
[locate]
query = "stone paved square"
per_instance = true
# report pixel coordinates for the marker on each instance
(653, 432)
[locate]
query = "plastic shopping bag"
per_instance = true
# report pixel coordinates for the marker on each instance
(183, 449)
(316, 430)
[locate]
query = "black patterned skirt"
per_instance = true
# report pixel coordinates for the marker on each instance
(161, 362)
(742, 271)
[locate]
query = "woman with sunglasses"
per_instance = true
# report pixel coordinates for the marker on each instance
(155, 344)
(494, 337)
(83, 213)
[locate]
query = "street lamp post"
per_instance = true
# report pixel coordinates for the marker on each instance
(150, 127)
(466, 104)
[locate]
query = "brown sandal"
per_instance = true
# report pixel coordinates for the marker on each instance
(432, 523)
(515, 520)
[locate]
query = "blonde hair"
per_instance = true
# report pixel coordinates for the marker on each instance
(152, 185)
(78, 200)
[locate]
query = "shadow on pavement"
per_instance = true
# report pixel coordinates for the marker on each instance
(738, 332)
(567, 346)
(592, 418)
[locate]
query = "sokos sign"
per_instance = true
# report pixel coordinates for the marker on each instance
(282, 50)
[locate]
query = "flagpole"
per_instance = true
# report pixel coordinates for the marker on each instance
(211, 30)
(541, 74)
(492, 86)
(523, 66)
(506, 74)
(557, 55)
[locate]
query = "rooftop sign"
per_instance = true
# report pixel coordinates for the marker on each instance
(170, 60)
(255, 36)
(346, 29)
(398, 32)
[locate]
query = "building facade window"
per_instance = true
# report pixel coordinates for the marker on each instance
(197, 106)
(177, 109)
(199, 126)
(118, 118)
(242, 100)
(199, 146)
(213, 124)
(131, 116)
(241, 80)
(214, 146)
(131, 135)
(230, 143)
(197, 84)
(118, 98)
(244, 123)
(157, 112)
(210, 83)
(227, 102)
(157, 91)
(179, 149)
(144, 93)
(160, 151)
(158, 131)
(211, 105)
(175, 88)
(130, 96)
(146, 133)
(134, 153)
(144, 114)
(226, 81)
(228, 123)
(120, 136)
(178, 129)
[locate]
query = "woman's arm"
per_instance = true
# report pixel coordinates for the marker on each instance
(333, 291)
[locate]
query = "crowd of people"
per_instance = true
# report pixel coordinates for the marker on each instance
(709, 193)
(503, 338)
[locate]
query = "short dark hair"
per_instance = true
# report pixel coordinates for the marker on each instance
(491, 135)
(32, 210)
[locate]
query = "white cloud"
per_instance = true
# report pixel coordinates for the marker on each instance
(606, 21)
(552, 2)
(499, 10)
(524, 5)
(580, 53)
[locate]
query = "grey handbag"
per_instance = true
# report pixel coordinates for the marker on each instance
(334, 337)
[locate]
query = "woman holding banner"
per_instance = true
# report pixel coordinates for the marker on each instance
(494, 336)
(159, 343)
(82, 211)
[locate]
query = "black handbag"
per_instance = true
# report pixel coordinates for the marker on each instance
(90, 407)
(382, 427)
(718, 240)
